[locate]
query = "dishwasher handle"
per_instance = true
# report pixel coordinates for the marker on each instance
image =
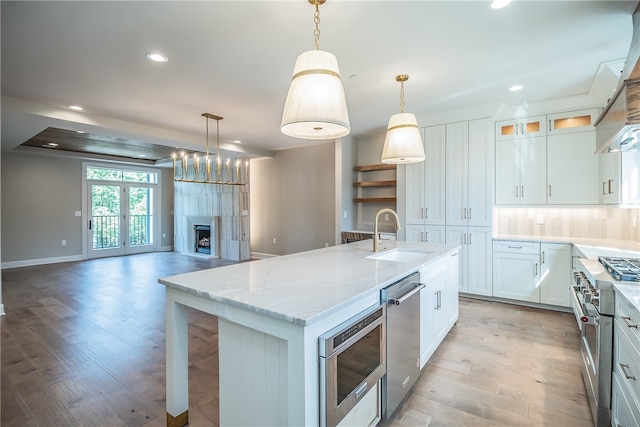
(398, 301)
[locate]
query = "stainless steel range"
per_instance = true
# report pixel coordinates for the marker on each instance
(592, 301)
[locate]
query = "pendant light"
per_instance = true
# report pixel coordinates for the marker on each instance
(403, 143)
(316, 107)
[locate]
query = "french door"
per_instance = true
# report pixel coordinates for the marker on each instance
(121, 218)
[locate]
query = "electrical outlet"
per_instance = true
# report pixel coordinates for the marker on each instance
(78, 213)
(64, 243)
(540, 219)
(220, 309)
(345, 214)
(274, 241)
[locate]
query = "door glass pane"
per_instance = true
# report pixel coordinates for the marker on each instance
(105, 216)
(140, 216)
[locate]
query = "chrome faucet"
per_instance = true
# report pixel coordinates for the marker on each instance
(376, 237)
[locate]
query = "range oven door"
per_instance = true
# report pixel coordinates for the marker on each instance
(596, 340)
(352, 362)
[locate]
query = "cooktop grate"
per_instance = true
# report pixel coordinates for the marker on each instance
(622, 269)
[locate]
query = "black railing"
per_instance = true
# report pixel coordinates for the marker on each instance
(106, 231)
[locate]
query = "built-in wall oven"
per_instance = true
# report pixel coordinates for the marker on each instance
(592, 301)
(352, 361)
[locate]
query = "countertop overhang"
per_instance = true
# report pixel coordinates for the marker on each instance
(304, 287)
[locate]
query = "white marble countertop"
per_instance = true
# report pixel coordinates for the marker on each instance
(304, 287)
(629, 292)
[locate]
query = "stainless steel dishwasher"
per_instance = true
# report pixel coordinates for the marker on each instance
(403, 340)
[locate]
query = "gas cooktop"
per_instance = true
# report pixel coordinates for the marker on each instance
(622, 269)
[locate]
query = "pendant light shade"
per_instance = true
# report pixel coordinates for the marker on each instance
(316, 107)
(403, 143)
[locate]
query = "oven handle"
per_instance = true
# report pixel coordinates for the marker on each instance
(588, 319)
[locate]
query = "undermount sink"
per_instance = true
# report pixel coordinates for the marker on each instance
(400, 255)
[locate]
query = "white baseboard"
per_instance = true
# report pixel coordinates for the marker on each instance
(41, 261)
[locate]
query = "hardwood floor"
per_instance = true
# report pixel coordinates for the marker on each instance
(83, 345)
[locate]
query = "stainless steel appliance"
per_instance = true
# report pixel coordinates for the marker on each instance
(592, 301)
(403, 341)
(352, 361)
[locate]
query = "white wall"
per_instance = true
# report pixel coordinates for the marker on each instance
(293, 200)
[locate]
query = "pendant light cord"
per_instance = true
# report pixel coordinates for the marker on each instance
(402, 97)
(316, 32)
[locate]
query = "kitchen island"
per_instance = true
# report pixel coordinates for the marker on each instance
(271, 313)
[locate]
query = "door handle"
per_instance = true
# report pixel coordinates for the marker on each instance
(89, 224)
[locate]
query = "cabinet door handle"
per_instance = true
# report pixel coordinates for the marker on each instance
(464, 213)
(549, 190)
(624, 371)
(627, 320)
(517, 191)
(469, 213)
(522, 191)
(426, 213)
(514, 247)
(535, 269)
(464, 239)
(604, 190)
(469, 238)
(610, 182)
(550, 128)
(542, 257)
(426, 236)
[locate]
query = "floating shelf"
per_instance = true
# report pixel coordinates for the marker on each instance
(375, 200)
(370, 184)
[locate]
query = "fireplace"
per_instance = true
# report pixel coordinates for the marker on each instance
(202, 238)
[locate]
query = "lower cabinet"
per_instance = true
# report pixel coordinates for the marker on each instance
(475, 257)
(433, 234)
(438, 304)
(532, 271)
(625, 403)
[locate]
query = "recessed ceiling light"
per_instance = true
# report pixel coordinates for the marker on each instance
(516, 88)
(76, 107)
(156, 57)
(499, 4)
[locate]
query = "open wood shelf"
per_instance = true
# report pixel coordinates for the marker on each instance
(375, 184)
(375, 200)
(369, 168)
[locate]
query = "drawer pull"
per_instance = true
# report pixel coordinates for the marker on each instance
(514, 247)
(629, 324)
(624, 371)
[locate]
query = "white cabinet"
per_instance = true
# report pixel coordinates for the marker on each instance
(438, 304)
(572, 169)
(518, 128)
(571, 121)
(625, 408)
(532, 271)
(468, 173)
(475, 258)
(555, 262)
(619, 178)
(516, 270)
(433, 234)
(425, 181)
(521, 173)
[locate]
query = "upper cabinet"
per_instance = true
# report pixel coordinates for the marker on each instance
(469, 173)
(547, 160)
(521, 128)
(575, 121)
(425, 181)
(619, 178)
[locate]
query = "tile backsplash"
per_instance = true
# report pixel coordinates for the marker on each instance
(590, 222)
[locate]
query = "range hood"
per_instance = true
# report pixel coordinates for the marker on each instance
(618, 127)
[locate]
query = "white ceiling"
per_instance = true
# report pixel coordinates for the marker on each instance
(235, 59)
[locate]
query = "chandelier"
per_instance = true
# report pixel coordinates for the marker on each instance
(316, 107)
(403, 143)
(200, 169)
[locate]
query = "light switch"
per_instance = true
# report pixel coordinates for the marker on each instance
(78, 213)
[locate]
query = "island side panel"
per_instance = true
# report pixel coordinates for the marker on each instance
(253, 377)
